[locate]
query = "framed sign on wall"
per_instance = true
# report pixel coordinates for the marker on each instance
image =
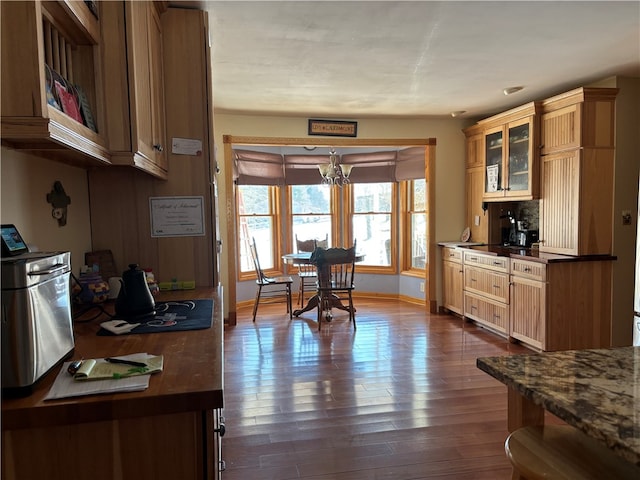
(334, 128)
(177, 216)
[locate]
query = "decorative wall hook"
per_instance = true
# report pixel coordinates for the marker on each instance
(59, 201)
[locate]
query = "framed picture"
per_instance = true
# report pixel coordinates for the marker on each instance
(177, 216)
(333, 128)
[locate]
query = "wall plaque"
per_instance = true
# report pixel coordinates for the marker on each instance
(333, 128)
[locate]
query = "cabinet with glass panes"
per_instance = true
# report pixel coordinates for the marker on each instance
(511, 155)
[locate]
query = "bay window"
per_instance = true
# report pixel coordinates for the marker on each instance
(372, 224)
(258, 217)
(414, 224)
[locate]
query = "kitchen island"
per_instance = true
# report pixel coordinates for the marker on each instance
(596, 391)
(168, 431)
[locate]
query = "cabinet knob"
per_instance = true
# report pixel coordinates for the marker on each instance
(158, 147)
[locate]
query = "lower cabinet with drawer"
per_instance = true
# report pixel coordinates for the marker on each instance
(486, 290)
(528, 299)
(561, 305)
(452, 280)
(549, 302)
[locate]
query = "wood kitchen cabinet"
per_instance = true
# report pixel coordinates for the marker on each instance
(38, 39)
(452, 280)
(528, 302)
(133, 62)
(511, 154)
(125, 229)
(476, 217)
(486, 290)
(171, 430)
(577, 172)
(561, 303)
(543, 300)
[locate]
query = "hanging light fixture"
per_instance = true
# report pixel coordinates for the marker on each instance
(333, 173)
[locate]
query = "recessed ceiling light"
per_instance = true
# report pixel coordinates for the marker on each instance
(510, 90)
(457, 113)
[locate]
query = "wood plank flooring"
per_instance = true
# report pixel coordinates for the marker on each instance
(400, 398)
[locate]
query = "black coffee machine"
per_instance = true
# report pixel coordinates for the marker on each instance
(526, 238)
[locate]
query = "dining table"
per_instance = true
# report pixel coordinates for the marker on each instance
(596, 391)
(304, 258)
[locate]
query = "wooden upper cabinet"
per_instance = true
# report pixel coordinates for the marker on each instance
(475, 147)
(577, 173)
(583, 117)
(134, 85)
(511, 155)
(476, 216)
(44, 43)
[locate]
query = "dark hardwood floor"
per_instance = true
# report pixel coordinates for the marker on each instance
(400, 398)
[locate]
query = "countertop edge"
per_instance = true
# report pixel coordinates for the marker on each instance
(160, 398)
(530, 254)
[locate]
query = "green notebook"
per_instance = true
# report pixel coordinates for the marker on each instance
(101, 369)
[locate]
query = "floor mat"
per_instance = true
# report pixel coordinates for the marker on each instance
(172, 317)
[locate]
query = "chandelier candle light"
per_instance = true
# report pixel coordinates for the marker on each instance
(333, 173)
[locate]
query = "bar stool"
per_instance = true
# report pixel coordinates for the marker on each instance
(561, 452)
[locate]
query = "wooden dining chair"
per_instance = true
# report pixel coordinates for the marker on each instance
(270, 289)
(306, 271)
(335, 268)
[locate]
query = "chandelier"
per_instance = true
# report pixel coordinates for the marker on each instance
(333, 173)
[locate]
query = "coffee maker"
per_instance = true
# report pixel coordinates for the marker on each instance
(524, 236)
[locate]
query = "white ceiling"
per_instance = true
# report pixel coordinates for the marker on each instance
(349, 59)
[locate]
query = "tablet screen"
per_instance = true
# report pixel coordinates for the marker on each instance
(12, 242)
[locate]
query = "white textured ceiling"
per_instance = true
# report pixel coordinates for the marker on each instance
(348, 59)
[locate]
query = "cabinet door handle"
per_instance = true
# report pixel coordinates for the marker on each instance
(526, 269)
(497, 263)
(158, 147)
(497, 286)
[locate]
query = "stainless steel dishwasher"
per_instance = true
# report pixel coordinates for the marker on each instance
(37, 330)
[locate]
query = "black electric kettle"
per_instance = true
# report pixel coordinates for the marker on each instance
(134, 299)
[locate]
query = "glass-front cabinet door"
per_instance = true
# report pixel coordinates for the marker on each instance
(519, 159)
(494, 163)
(510, 170)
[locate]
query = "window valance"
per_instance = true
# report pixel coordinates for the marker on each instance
(266, 168)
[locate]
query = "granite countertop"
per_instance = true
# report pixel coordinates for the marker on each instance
(596, 391)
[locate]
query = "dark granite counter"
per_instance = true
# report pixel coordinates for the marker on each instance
(596, 391)
(533, 254)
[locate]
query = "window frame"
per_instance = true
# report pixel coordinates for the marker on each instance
(407, 202)
(275, 195)
(348, 202)
(333, 213)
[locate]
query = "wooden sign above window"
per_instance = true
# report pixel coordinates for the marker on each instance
(333, 128)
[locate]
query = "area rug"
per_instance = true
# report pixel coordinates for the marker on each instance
(172, 317)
